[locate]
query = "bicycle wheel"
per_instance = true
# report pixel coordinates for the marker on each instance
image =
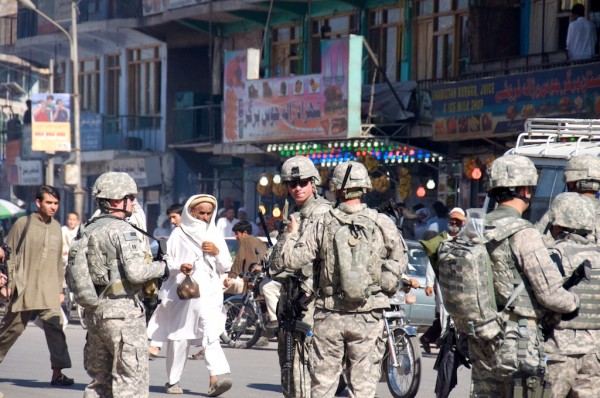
(80, 313)
(241, 331)
(403, 381)
(68, 304)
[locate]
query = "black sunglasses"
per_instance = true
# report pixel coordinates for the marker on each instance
(302, 183)
(130, 197)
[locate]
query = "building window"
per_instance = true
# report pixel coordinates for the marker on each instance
(329, 28)
(89, 84)
(113, 75)
(286, 51)
(440, 38)
(386, 39)
(143, 81)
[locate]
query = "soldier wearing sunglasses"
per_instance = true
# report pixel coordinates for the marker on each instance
(301, 176)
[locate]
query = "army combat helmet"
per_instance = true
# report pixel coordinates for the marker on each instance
(358, 182)
(510, 171)
(584, 172)
(299, 168)
(573, 211)
(113, 185)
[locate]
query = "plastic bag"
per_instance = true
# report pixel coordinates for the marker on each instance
(188, 289)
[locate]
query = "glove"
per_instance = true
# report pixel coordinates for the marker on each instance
(302, 302)
(570, 316)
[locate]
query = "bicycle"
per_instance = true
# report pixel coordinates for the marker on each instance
(402, 358)
(70, 305)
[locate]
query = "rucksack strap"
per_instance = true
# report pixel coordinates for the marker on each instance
(514, 295)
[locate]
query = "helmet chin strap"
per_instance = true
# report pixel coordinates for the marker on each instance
(124, 209)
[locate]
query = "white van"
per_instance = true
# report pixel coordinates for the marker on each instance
(550, 143)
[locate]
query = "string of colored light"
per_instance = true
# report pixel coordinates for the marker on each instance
(332, 153)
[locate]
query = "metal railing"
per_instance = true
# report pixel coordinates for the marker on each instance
(134, 133)
(197, 124)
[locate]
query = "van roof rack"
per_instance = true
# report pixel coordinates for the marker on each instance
(544, 131)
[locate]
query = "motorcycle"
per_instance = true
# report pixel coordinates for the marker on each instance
(246, 318)
(402, 358)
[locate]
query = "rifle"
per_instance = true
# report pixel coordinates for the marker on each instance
(263, 224)
(582, 272)
(291, 323)
(344, 181)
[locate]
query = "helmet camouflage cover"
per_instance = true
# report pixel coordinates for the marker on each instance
(585, 170)
(114, 185)
(574, 211)
(358, 178)
(513, 171)
(298, 168)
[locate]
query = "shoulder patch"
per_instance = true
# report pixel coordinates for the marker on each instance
(131, 235)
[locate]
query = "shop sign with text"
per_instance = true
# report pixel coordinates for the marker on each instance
(499, 106)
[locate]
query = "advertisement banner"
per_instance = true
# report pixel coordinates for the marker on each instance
(51, 122)
(498, 106)
(305, 107)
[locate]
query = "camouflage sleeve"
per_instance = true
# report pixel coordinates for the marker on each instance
(396, 262)
(300, 252)
(542, 226)
(544, 277)
(130, 251)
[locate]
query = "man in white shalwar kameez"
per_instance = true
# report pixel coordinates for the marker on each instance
(195, 249)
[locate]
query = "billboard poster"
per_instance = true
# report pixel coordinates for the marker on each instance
(498, 106)
(51, 122)
(303, 107)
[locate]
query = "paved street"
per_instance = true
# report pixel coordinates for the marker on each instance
(25, 373)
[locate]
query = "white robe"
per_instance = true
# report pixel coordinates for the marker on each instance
(201, 319)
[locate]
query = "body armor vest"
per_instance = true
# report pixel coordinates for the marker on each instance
(573, 252)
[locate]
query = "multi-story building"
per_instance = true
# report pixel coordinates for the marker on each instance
(462, 77)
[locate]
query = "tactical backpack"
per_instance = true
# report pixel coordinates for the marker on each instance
(466, 282)
(356, 250)
(77, 273)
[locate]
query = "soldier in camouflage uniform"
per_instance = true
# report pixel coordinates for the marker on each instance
(522, 268)
(115, 353)
(573, 346)
(581, 175)
(300, 175)
(340, 327)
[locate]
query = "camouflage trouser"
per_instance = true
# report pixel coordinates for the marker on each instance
(494, 362)
(300, 380)
(360, 337)
(578, 376)
(116, 357)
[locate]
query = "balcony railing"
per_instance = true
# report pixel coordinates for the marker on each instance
(197, 124)
(120, 132)
(134, 133)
